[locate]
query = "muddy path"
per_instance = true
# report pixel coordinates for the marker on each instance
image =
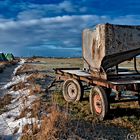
(5, 77)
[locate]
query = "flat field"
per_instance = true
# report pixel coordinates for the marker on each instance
(59, 119)
(123, 116)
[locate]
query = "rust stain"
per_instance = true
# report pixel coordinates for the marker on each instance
(105, 46)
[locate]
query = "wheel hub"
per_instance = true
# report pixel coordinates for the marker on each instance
(72, 90)
(97, 104)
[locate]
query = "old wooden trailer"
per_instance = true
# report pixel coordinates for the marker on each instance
(104, 48)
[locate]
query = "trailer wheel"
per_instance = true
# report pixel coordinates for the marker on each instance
(72, 90)
(99, 105)
(139, 99)
(138, 88)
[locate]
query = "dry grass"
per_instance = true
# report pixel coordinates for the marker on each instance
(52, 127)
(36, 76)
(35, 108)
(25, 69)
(30, 111)
(8, 63)
(19, 86)
(35, 89)
(23, 113)
(5, 101)
(48, 64)
(32, 59)
(51, 123)
(4, 64)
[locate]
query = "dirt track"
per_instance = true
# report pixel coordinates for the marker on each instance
(5, 77)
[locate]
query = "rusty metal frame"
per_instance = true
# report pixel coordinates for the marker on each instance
(89, 80)
(94, 81)
(135, 64)
(61, 75)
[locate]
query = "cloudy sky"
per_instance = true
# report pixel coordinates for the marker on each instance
(54, 27)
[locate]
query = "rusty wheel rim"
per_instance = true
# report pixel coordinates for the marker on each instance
(97, 104)
(72, 90)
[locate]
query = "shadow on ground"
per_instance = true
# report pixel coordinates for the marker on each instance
(90, 131)
(122, 112)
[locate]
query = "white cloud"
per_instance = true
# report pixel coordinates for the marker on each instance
(30, 14)
(61, 33)
(67, 6)
(66, 21)
(36, 10)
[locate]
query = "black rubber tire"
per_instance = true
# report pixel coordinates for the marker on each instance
(103, 100)
(138, 89)
(68, 86)
(139, 99)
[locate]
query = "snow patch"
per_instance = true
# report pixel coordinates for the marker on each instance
(14, 110)
(16, 80)
(22, 61)
(22, 99)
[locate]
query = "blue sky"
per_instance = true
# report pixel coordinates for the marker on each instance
(54, 27)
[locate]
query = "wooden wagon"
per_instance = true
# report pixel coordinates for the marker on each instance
(104, 48)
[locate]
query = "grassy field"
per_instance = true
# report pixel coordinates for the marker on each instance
(62, 120)
(48, 64)
(122, 115)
